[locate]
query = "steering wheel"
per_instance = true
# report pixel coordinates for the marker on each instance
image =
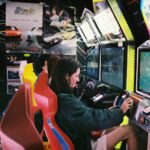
(120, 98)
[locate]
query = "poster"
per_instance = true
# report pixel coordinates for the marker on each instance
(34, 27)
(59, 31)
(23, 26)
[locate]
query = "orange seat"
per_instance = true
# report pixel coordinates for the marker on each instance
(47, 101)
(17, 130)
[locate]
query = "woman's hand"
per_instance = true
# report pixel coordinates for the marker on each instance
(126, 105)
(96, 134)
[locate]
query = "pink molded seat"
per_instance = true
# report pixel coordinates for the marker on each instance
(47, 101)
(17, 129)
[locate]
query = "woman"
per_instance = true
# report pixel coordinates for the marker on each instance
(78, 120)
(63, 16)
(54, 17)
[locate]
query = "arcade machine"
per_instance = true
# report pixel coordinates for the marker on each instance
(116, 51)
(115, 57)
(140, 113)
(23, 24)
(117, 60)
(113, 69)
(141, 97)
(17, 28)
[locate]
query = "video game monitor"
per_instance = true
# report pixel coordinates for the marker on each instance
(143, 72)
(112, 66)
(145, 9)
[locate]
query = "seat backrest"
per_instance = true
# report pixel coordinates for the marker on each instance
(17, 130)
(30, 76)
(47, 102)
(41, 84)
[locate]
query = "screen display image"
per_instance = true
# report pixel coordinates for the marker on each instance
(93, 64)
(95, 30)
(99, 6)
(145, 9)
(112, 66)
(106, 21)
(143, 82)
(82, 35)
(12, 87)
(88, 33)
(13, 73)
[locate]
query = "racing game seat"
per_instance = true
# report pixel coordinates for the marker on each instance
(47, 101)
(17, 130)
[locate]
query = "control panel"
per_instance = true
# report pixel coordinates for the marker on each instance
(141, 113)
(144, 121)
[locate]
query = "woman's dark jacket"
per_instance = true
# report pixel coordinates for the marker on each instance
(77, 120)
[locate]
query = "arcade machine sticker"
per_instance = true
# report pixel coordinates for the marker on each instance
(13, 79)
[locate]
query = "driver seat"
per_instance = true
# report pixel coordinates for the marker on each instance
(17, 130)
(47, 102)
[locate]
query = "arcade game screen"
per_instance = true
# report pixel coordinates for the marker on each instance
(143, 79)
(145, 9)
(112, 64)
(92, 69)
(88, 33)
(82, 34)
(106, 21)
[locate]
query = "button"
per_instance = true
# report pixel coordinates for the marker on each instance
(141, 120)
(146, 122)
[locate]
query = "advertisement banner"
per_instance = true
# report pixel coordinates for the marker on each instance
(59, 30)
(34, 27)
(24, 23)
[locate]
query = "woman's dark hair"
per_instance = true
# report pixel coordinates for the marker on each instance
(54, 8)
(64, 16)
(52, 62)
(39, 63)
(64, 67)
